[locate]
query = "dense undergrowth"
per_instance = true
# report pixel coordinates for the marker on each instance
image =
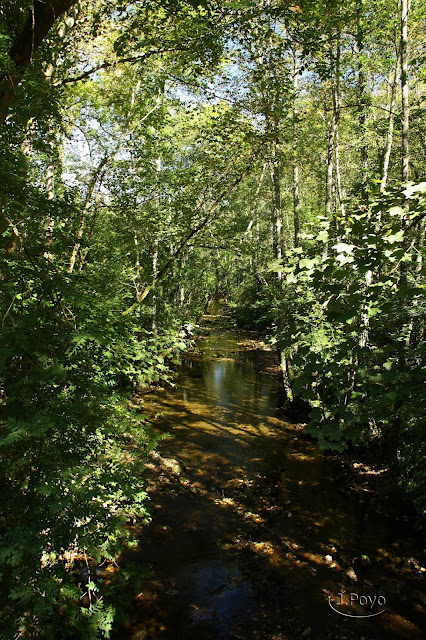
(73, 449)
(347, 317)
(73, 454)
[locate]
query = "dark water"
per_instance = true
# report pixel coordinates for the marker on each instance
(251, 533)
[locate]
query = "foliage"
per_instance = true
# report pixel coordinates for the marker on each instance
(350, 325)
(73, 451)
(157, 155)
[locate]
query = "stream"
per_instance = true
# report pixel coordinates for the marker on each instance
(252, 535)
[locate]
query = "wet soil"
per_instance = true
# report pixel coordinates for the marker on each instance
(255, 533)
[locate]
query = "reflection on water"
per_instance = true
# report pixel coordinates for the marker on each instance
(250, 531)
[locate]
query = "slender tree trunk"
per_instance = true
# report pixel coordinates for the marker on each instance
(50, 190)
(136, 277)
(296, 189)
(50, 184)
(362, 100)
(154, 288)
(155, 251)
(340, 195)
(278, 244)
(405, 166)
(365, 319)
(415, 333)
(389, 136)
(287, 374)
(254, 222)
(393, 437)
(329, 168)
(26, 144)
(336, 118)
(137, 252)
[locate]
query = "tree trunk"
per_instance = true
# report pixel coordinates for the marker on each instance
(362, 100)
(416, 331)
(277, 222)
(394, 435)
(50, 190)
(253, 226)
(329, 168)
(336, 120)
(365, 319)
(154, 293)
(296, 189)
(41, 18)
(155, 251)
(389, 136)
(405, 168)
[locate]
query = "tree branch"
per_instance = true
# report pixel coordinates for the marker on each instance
(108, 65)
(373, 106)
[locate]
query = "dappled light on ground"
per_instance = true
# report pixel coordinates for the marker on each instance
(251, 533)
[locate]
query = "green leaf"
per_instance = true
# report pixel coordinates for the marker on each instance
(343, 247)
(308, 263)
(323, 236)
(373, 311)
(344, 259)
(395, 237)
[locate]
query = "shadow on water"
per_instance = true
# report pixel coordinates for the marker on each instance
(251, 534)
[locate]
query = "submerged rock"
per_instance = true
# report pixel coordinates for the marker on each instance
(351, 574)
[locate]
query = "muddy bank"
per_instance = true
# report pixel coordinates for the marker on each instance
(253, 533)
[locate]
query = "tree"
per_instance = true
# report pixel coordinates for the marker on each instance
(32, 28)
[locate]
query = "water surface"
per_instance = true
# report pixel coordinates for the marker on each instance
(251, 532)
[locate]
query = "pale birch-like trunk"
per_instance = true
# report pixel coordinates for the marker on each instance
(393, 78)
(365, 319)
(362, 101)
(336, 120)
(155, 253)
(329, 168)
(254, 221)
(154, 292)
(277, 222)
(405, 166)
(393, 436)
(296, 186)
